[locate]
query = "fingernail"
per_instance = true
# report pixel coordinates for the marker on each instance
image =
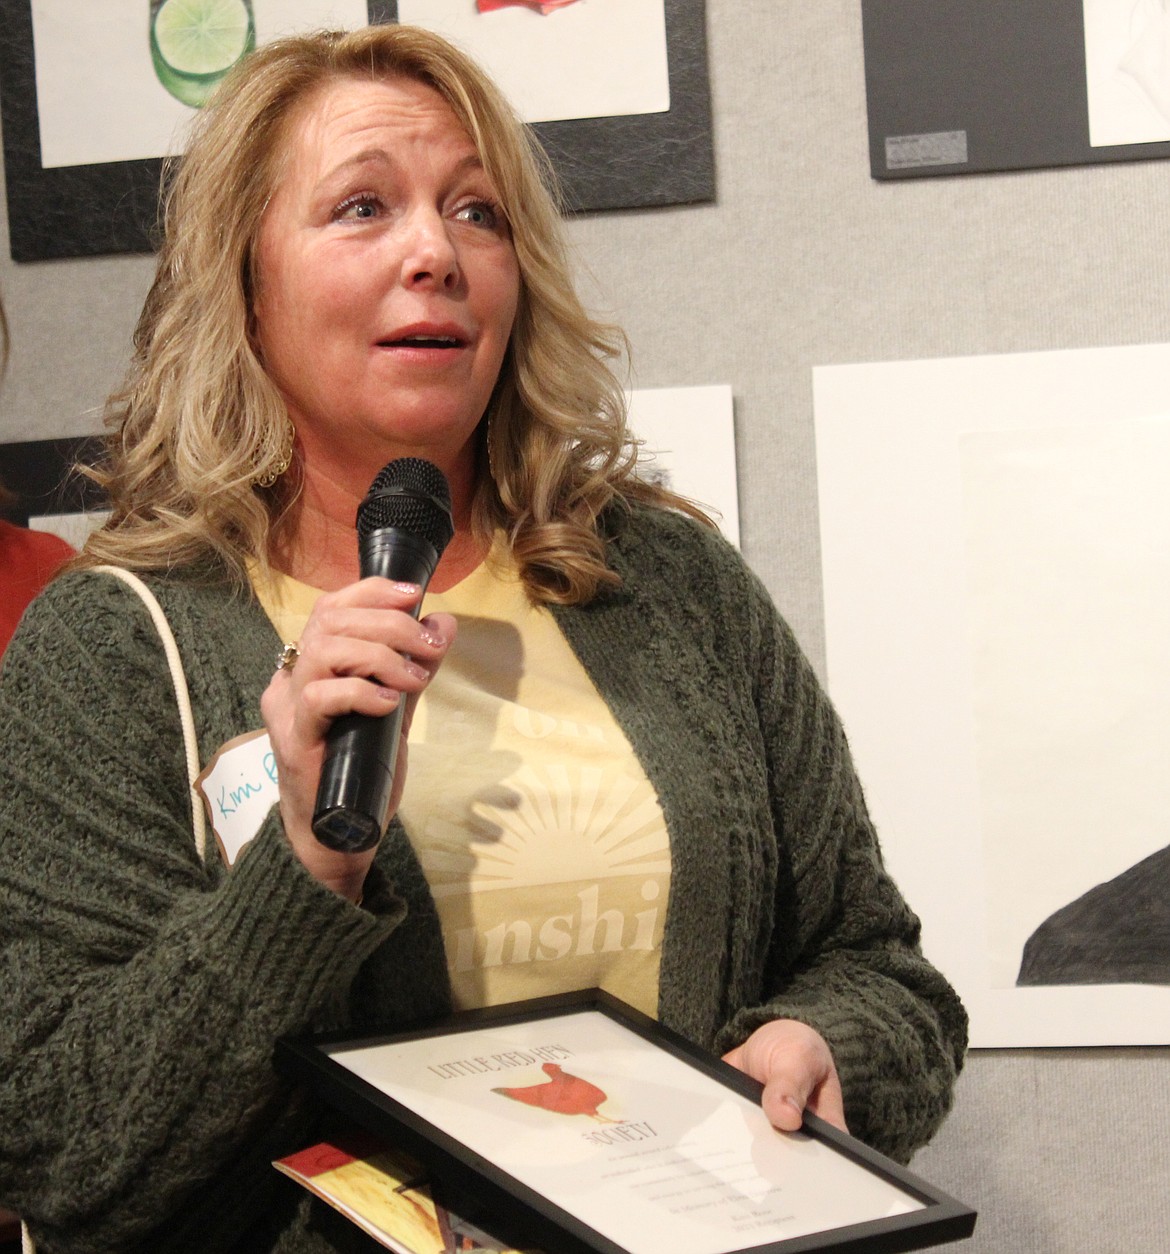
(419, 672)
(431, 637)
(388, 694)
(408, 589)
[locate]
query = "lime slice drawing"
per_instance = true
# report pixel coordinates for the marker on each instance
(193, 43)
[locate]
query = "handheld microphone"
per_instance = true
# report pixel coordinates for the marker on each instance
(403, 526)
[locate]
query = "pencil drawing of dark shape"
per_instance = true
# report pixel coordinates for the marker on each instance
(1117, 933)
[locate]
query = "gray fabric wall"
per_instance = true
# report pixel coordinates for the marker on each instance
(805, 261)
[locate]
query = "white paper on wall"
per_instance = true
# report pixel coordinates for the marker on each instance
(995, 544)
(74, 529)
(98, 97)
(594, 59)
(1127, 71)
(1067, 534)
(688, 439)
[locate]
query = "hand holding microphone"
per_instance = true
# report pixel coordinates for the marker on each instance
(403, 526)
(336, 721)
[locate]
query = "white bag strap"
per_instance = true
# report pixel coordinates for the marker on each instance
(190, 743)
(182, 694)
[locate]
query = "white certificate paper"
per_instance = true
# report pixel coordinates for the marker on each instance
(634, 1142)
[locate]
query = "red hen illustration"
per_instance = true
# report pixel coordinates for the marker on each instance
(562, 1093)
(541, 6)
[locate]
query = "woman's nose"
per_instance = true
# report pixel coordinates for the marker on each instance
(429, 256)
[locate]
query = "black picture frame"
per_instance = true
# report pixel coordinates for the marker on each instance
(635, 161)
(959, 88)
(42, 476)
(527, 1217)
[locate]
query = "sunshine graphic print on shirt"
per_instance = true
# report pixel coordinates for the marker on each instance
(538, 832)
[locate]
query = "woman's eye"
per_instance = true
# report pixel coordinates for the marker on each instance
(358, 208)
(480, 213)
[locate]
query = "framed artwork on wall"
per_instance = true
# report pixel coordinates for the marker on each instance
(998, 645)
(960, 88)
(616, 90)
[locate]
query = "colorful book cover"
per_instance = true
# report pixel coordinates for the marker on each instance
(388, 1196)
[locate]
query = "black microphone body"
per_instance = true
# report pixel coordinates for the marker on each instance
(404, 524)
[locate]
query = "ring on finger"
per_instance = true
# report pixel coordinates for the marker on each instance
(286, 659)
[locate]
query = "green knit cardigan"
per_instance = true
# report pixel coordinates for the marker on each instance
(143, 990)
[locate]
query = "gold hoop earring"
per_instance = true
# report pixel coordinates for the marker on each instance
(283, 458)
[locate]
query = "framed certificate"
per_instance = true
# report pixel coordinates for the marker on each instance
(590, 1129)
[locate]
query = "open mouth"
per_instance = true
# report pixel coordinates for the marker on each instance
(424, 341)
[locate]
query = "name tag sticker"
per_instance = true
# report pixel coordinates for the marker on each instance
(239, 787)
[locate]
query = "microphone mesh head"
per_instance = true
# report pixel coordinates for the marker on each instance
(412, 495)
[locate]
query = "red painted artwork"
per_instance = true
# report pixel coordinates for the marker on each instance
(541, 6)
(562, 1093)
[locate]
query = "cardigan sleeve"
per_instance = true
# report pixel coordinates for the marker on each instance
(143, 990)
(845, 956)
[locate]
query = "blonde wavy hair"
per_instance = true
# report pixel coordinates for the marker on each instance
(197, 422)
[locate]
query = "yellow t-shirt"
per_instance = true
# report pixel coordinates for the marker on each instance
(535, 825)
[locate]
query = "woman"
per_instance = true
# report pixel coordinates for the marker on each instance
(361, 263)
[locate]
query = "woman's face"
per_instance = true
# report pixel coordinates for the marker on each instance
(388, 283)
